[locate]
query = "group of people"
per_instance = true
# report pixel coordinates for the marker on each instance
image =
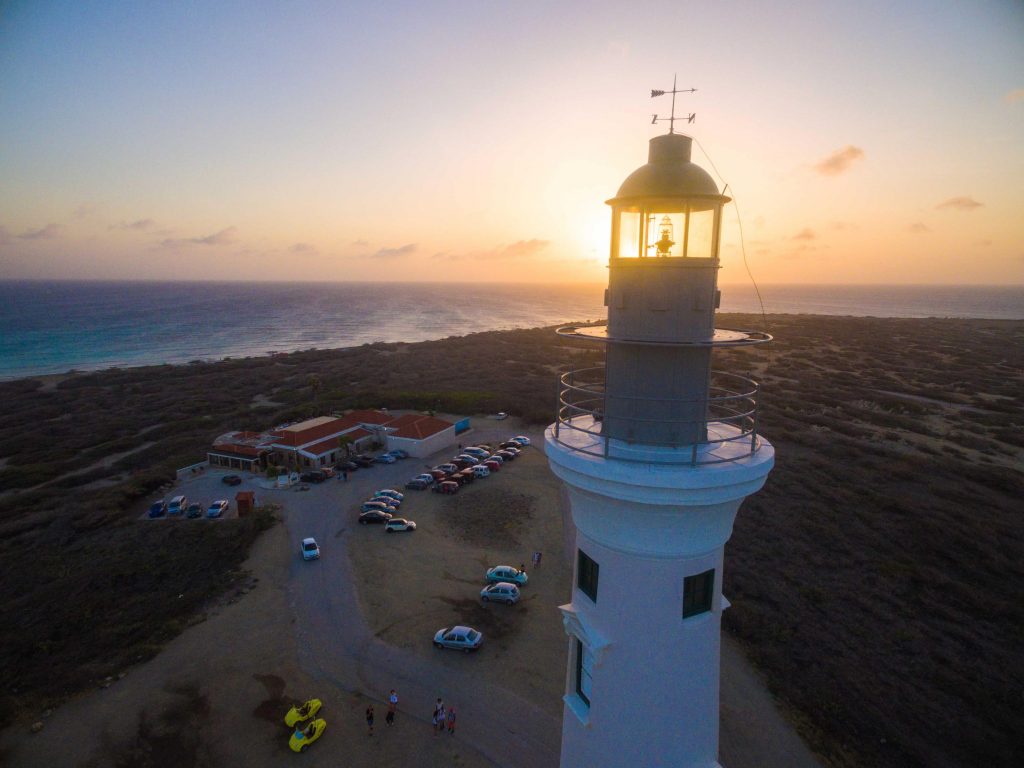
(442, 719)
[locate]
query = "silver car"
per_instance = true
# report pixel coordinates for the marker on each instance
(502, 592)
(460, 638)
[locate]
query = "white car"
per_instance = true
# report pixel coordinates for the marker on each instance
(310, 550)
(397, 496)
(481, 471)
(218, 508)
(460, 638)
(399, 524)
(502, 592)
(521, 439)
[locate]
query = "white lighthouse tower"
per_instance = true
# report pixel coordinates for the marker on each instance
(658, 452)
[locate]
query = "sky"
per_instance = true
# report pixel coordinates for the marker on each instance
(862, 142)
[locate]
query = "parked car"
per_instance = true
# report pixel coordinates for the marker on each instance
(492, 465)
(506, 454)
(310, 550)
(521, 439)
(460, 638)
(501, 591)
(346, 466)
(501, 416)
(303, 737)
(158, 508)
(475, 451)
(218, 508)
(464, 477)
(316, 476)
(461, 464)
(480, 471)
(446, 468)
(385, 458)
(446, 486)
(438, 475)
(195, 509)
(231, 480)
(399, 524)
(383, 506)
(387, 500)
(495, 457)
(298, 714)
(508, 444)
(398, 453)
(466, 457)
(177, 506)
(396, 495)
(506, 573)
(363, 461)
(374, 516)
(418, 484)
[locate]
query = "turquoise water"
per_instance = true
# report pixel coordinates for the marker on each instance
(55, 326)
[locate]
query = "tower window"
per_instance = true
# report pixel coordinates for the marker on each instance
(584, 672)
(697, 593)
(586, 575)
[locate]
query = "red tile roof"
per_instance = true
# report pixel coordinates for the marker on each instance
(417, 427)
(238, 449)
(294, 438)
(324, 446)
(368, 417)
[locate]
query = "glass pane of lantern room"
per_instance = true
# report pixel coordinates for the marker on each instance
(628, 245)
(702, 234)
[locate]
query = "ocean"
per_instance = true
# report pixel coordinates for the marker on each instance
(51, 327)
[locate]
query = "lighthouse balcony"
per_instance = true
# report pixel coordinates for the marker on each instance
(726, 419)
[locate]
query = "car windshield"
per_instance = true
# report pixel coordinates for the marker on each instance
(472, 635)
(310, 546)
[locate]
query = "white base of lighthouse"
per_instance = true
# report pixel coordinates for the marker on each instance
(644, 623)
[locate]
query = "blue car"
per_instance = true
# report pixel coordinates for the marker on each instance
(158, 509)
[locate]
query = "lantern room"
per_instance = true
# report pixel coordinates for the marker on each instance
(668, 208)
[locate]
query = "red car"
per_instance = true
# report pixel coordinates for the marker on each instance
(494, 466)
(438, 474)
(447, 486)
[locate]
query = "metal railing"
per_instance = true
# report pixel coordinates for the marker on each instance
(730, 410)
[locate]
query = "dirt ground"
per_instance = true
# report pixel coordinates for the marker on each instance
(359, 621)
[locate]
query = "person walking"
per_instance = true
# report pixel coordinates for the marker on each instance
(451, 721)
(439, 716)
(369, 719)
(536, 559)
(392, 707)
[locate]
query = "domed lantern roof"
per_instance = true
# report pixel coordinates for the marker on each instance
(669, 173)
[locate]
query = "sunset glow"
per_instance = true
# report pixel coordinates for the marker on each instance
(861, 142)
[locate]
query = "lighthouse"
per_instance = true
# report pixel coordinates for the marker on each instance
(657, 451)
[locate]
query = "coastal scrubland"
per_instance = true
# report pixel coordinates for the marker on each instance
(876, 580)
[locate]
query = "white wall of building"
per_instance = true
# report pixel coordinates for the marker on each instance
(439, 441)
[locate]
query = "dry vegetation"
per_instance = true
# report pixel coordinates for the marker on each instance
(877, 579)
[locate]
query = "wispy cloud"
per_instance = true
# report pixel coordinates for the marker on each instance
(839, 161)
(963, 203)
(522, 249)
(395, 253)
(302, 248)
(139, 225)
(918, 228)
(804, 234)
(1014, 96)
(48, 232)
(226, 236)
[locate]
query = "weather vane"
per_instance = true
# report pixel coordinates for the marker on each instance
(672, 120)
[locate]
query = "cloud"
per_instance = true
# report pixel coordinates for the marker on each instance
(226, 236)
(804, 234)
(302, 248)
(1014, 96)
(964, 203)
(522, 249)
(139, 225)
(394, 253)
(918, 228)
(48, 232)
(839, 161)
